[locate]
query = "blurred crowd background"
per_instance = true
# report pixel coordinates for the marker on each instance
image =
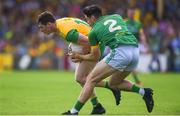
(22, 46)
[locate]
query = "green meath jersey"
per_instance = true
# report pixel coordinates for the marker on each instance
(134, 27)
(111, 31)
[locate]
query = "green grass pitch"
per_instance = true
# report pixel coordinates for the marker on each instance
(53, 92)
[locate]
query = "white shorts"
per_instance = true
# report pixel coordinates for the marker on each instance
(123, 58)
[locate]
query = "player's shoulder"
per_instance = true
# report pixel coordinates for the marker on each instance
(70, 20)
(113, 16)
(77, 20)
(65, 19)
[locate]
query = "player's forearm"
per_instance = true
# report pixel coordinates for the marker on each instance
(94, 55)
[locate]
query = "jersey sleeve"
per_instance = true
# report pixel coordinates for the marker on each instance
(92, 38)
(72, 36)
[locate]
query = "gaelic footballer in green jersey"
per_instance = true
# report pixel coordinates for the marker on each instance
(135, 27)
(118, 64)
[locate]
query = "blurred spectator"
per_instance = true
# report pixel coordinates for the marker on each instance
(174, 53)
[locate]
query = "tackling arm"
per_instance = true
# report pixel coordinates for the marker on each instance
(94, 55)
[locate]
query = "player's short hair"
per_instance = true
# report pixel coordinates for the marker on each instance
(92, 10)
(46, 17)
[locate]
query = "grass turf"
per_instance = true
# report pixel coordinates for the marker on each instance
(53, 92)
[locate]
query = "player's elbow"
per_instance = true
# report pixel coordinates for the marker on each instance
(81, 80)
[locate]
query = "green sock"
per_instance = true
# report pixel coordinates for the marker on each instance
(135, 88)
(78, 105)
(107, 85)
(94, 101)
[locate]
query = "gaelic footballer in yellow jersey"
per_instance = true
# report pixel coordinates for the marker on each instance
(70, 29)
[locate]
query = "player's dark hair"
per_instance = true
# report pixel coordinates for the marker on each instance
(46, 17)
(92, 10)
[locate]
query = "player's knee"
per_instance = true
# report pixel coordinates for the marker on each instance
(92, 81)
(81, 81)
(112, 86)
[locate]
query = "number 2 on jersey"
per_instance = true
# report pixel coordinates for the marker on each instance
(112, 26)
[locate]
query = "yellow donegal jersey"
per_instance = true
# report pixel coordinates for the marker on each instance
(65, 25)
